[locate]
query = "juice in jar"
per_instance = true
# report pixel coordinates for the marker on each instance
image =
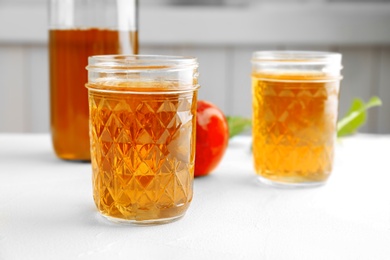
(69, 50)
(294, 125)
(143, 150)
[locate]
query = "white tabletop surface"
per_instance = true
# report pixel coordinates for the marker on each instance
(47, 211)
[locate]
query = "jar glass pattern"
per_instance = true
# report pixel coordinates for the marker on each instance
(142, 130)
(295, 107)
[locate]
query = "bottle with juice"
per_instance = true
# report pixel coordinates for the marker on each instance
(79, 29)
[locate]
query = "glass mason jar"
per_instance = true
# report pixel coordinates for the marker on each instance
(295, 106)
(79, 29)
(142, 123)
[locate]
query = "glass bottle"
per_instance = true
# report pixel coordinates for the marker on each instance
(79, 29)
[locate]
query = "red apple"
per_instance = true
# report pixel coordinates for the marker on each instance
(212, 137)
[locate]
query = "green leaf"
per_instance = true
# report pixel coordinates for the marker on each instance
(356, 116)
(237, 125)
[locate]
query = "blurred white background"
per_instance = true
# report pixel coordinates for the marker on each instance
(222, 34)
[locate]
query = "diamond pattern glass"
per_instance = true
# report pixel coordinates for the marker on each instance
(142, 147)
(294, 127)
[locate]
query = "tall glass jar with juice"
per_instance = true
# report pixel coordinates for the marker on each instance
(79, 29)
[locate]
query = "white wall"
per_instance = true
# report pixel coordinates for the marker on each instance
(222, 38)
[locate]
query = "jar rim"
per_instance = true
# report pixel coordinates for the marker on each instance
(292, 56)
(140, 62)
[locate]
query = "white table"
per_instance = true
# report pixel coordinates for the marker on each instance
(47, 211)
